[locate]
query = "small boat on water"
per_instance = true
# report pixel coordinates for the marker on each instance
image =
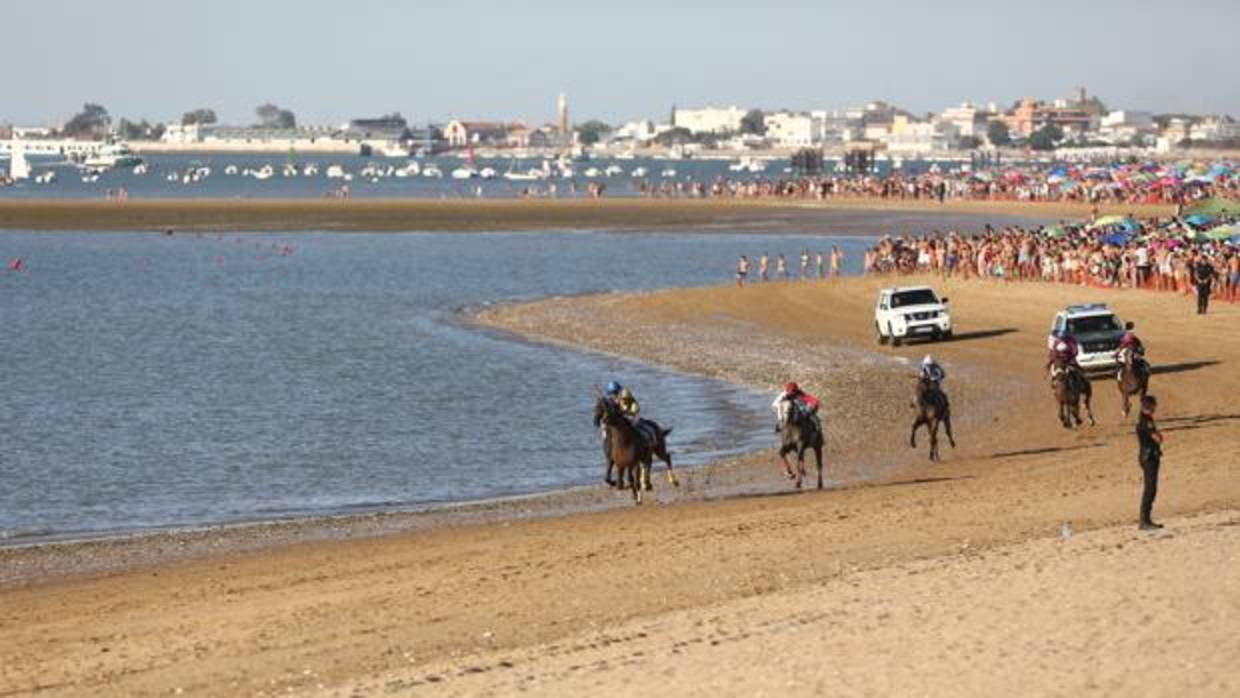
(230, 170)
(749, 165)
(464, 172)
(335, 172)
(412, 169)
(592, 172)
(432, 171)
(487, 173)
(668, 172)
(613, 171)
(45, 177)
(639, 171)
(113, 155)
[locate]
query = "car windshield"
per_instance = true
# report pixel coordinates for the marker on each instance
(921, 297)
(1098, 323)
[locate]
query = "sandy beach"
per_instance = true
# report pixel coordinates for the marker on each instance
(901, 577)
(448, 215)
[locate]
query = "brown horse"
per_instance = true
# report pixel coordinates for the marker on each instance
(1133, 377)
(1071, 387)
(629, 451)
(799, 432)
(932, 409)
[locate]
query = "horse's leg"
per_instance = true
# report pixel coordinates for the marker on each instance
(1089, 406)
(667, 458)
(783, 456)
(1123, 394)
(818, 461)
(635, 482)
(912, 437)
(647, 465)
(933, 427)
(947, 424)
(800, 465)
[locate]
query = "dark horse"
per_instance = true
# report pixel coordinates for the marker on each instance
(932, 409)
(799, 432)
(1071, 387)
(629, 451)
(1133, 377)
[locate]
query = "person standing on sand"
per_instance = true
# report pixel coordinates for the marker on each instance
(836, 258)
(781, 267)
(1149, 455)
(1203, 277)
(804, 264)
(764, 267)
(742, 270)
(818, 261)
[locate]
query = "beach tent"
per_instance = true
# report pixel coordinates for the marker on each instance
(1054, 231)
(1214, 207)
(1117, 239)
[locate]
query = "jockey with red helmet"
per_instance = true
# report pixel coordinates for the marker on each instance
(803, 401)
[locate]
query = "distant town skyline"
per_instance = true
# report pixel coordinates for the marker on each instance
(329, 62)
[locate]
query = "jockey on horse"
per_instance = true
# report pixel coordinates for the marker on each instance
(930, 377)
(1064, 353)
(802, 401)
(629, 407)
(1132, 349)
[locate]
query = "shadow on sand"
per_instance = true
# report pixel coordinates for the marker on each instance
(1181, 368)
(982, 334)
(1197, 421)
(1045, 450)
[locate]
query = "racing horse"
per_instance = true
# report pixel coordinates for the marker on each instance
(630, 451)
(1133, 377)
(1070, 388)
(932, 408)
(799, 432)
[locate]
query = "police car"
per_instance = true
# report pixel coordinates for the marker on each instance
(1097, 331)
(913, 311)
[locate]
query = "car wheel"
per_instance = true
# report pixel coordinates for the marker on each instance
(947, 334)
(878, 330)
(895, 341)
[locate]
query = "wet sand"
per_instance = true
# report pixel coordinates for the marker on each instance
(507, 215)
(903, 576)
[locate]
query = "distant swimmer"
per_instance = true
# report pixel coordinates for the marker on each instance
(742, 270)
(16, 264)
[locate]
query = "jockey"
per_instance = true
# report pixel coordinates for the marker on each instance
(628, 405)
(932, 372)
(1131, 340)
(1065, 350)
(803, 401)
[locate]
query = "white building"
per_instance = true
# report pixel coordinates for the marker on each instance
(182, 133)
(791, 130)
(909, 136)
(709, 119)
(838, 126)
(967, 119)
(642, 131)
(1215, 128)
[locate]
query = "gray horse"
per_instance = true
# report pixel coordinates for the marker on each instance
(799, 432)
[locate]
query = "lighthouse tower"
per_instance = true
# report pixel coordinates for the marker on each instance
(562, 109)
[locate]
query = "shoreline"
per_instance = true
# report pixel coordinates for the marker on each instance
(492, 215)
(460, 606)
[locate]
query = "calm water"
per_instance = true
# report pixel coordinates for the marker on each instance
(156, 381)
(155, 184)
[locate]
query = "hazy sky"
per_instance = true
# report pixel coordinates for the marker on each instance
(330, 60)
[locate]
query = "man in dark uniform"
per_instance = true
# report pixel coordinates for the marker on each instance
(1203, 276)
(1149, 455)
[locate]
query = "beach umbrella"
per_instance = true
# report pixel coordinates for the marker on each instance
(1054, 231)
(1222, 232)
(1198, 220)
(1214, 206)
(1109, 220)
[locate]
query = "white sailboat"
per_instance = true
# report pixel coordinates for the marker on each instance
(19, 166)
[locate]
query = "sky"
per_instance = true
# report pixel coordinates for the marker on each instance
(329, 61)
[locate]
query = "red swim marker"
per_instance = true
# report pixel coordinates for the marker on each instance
(16, 264)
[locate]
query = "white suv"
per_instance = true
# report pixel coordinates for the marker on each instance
(1097, 331)
(915, 311)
